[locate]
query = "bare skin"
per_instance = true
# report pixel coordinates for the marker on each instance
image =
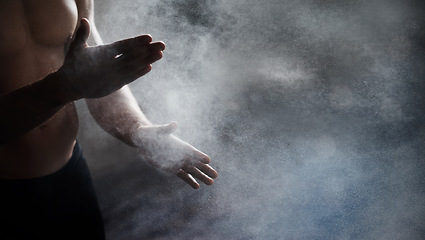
(46, 64)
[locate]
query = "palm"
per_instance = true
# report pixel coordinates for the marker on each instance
(169, 153)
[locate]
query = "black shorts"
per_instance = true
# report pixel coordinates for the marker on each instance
(61, 205)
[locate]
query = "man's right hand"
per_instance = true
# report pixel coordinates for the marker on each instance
(94, 72)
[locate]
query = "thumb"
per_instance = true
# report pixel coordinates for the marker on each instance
(166, 129)
(81, 36)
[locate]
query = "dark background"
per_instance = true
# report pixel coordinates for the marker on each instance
(312, 112)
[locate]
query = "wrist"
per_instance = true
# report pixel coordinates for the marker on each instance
(60, 81)
(50, 91)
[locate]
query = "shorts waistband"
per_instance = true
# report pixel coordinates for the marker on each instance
(77, 155)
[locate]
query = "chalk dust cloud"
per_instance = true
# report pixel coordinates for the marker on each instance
(312, 112)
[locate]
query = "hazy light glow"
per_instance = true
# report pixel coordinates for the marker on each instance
(311, 111)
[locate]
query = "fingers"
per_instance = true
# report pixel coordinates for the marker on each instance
(200, 156)
(130, 62)
(188, 179)
(158, 46)
(154, 131)
(166, 129)
(207, 169)
(148, 53)
(188, 172)
(140, 43)
(196, 169)
(131, 58)
(127, 45)
(132, 66)
(81, 36)
(137, 59)
(195, 172)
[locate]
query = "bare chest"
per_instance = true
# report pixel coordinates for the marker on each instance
(27, 24)
(33, 35)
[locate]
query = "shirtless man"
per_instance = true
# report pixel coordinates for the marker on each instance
(46, 64)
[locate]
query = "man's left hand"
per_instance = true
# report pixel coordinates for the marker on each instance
(162, 149)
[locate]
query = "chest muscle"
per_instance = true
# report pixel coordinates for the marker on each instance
(44, 23)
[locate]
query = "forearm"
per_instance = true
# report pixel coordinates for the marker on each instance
(119, 115)
(27, 107)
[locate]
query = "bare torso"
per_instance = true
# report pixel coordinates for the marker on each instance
(33, 38)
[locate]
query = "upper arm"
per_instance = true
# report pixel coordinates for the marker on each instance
(86, 10)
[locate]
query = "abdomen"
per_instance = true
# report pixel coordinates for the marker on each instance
(43, 150)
